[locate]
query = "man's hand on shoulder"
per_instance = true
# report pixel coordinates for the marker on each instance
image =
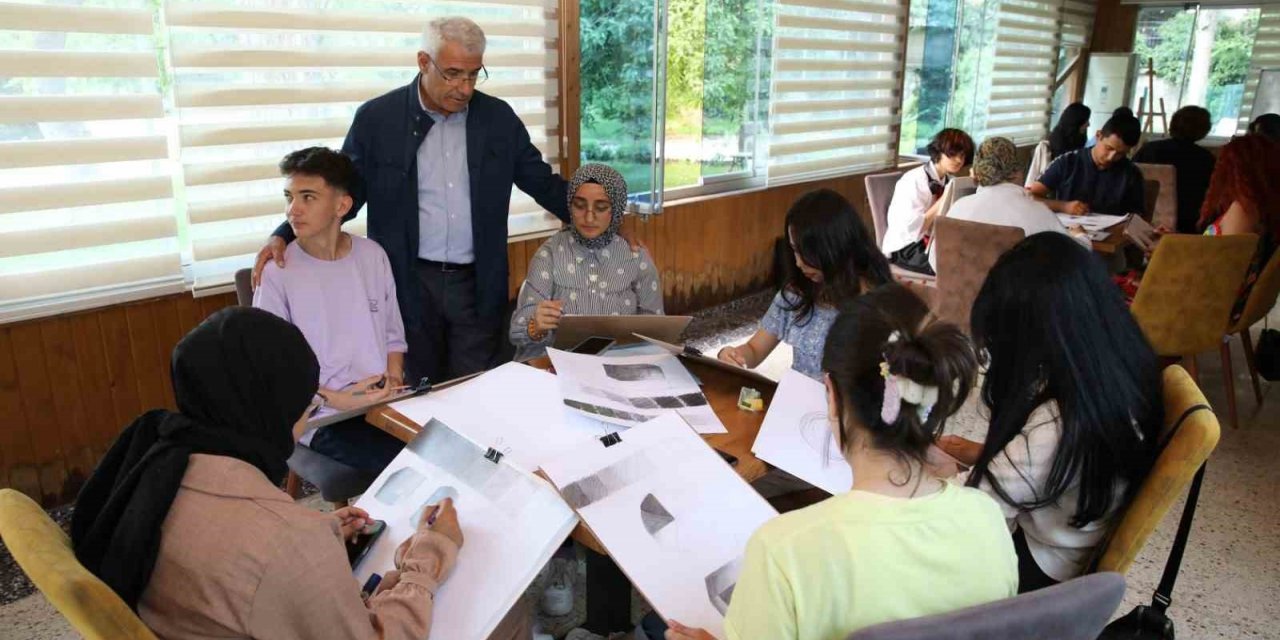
(630, 237)
(273, 250)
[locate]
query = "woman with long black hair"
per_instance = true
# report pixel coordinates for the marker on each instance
(1073, 390)
(835, 260)
(1072, 130)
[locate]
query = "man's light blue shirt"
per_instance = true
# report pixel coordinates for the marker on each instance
(444, 190)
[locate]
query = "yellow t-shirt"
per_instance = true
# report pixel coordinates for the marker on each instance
(860, 558)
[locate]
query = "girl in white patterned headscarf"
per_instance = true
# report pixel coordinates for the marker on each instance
(587, 205)
(586, 269)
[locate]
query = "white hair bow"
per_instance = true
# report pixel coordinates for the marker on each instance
(899, 389)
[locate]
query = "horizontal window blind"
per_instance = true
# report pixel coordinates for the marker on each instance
(1266, 55)
(253, 81)
(1077, 22)
(1026, 59)
(86, 181)
(837, 79)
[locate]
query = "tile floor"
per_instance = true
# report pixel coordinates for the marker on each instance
(1229, 586)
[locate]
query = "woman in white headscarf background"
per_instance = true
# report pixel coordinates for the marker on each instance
(585, 269)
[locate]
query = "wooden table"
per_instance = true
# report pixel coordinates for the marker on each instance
(608, 604)
(721, 388)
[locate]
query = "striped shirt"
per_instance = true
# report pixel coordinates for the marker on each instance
(610, 281)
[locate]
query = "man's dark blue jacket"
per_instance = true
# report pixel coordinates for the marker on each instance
(383, 143)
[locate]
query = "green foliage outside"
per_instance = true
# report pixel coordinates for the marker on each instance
(710, 81)
(1168, 46)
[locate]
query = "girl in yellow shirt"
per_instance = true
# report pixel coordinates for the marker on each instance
(902, 543)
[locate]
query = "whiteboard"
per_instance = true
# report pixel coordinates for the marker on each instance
(1267, 97)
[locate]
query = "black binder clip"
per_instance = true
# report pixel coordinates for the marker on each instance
(610, 439)
(493, 455)
(423, 385)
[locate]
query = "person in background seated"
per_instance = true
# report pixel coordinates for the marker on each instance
(1072, 130)
(835, 261)
(1000, 199)
(1075, 404)
(585, 269)
(1096, 180)
(903, 542)
(1244, 197)
(339, 291)
(1192, 162)
(185, 521)
(917, 198)
(1267, 124)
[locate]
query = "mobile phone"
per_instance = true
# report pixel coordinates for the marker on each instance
(593, 345)
(358, 547)
(728, 457)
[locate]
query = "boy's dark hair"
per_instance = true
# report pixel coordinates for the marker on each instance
(951, 142)
(1125, 127)
(1267, 124)
(337, 169)
(1190, 123)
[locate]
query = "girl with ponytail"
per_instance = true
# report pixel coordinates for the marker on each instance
(902, 543)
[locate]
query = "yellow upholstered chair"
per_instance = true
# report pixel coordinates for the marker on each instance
(1184, 452)
(1261, 299)
(1184, 302)
(44, 552)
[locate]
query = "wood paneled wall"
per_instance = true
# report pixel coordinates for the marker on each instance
(70, 383)
(1114, 27)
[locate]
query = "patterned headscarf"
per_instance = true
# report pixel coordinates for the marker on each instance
(614, 186)
(997, 162)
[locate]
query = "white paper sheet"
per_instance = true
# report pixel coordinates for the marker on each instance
(515, 409)
(512, 523)
(629, 391)
(1091, 222)
(672, 514)
(698, 356)
(796, 437)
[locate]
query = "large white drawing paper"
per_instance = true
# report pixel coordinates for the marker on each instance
(671, 513)
(1092, 221)
(796, 438)
(632, 390)
(697, 356)
(515, 409)
(512, 522)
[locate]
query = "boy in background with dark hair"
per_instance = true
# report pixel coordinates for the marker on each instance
(339, 291)
(1192, 163)
(1100, 179)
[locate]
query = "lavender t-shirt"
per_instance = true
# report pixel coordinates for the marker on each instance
(346, 308)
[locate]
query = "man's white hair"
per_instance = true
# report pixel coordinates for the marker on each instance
(457, 29)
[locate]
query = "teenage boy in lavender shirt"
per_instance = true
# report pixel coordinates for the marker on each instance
(339, 291)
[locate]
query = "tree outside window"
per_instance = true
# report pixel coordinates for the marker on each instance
(1199, 56)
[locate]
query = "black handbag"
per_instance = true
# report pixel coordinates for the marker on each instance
(1267, 354)
(1149, 622)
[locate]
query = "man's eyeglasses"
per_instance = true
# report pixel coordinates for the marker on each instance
(455, 77)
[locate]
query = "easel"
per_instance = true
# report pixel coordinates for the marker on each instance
(1149, 122)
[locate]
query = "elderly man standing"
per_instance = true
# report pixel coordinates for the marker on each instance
(437, 160)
